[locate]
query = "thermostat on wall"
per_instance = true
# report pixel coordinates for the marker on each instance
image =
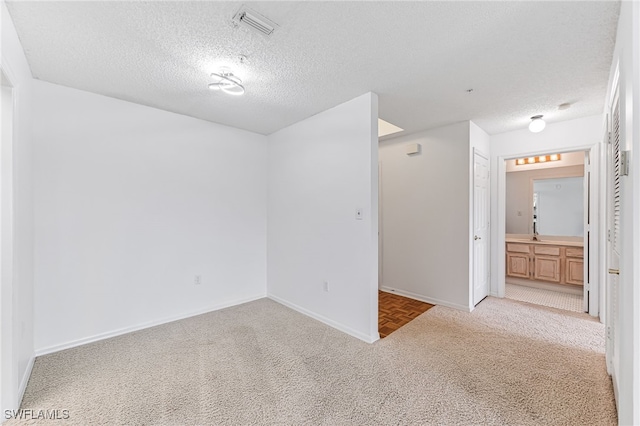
(413, 148)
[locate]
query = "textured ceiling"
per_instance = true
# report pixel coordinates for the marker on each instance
(520, 58)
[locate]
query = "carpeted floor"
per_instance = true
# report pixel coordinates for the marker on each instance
(261, 363)
(538, 296)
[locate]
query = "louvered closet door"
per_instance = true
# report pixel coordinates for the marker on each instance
(614, 245)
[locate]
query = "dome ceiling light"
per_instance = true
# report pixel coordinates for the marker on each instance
(537, 124)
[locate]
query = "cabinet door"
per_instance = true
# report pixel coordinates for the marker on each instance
(547, 268)
(518, 265)
(574, 273)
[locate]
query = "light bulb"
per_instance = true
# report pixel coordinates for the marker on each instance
(537, 124)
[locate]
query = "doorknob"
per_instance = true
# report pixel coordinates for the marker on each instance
(614, 271)
(477, 238)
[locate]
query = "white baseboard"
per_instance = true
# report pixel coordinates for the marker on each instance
(25, 380)
(422, 298)
(125, 330)
(325, 320)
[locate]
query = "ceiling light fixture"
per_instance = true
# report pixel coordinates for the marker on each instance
(537, 124)
(228, 83)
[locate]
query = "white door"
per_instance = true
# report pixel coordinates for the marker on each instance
(480, 227)
(613, 237)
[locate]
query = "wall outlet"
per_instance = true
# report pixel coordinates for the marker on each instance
(197, 280)
(325, 286)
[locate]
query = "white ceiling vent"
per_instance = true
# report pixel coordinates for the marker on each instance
(254, 20)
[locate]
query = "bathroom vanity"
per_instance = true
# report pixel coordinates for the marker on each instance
(551, 261)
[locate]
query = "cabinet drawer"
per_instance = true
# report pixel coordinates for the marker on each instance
(518, 248)
(547, 250)
(575, 252)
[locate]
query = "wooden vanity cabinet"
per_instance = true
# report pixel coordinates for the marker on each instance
(544, 262)
(547, 263)
(518, 260)
(574, 267)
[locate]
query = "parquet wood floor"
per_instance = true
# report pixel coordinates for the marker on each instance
(394, 311)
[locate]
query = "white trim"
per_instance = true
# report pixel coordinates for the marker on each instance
(595, 230)
(102, 336)
(430, 300)
(325, 320)
(614, 84)
(25, 379)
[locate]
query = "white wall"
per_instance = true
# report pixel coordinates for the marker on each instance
(131, 204)
(320, 171)
(426, 215)
(572, 135)
(519, 209)
(17, 290)
(626, 362)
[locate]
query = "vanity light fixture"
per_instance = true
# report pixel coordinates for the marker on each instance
(227, 82)
(537, 124)
(538, 159)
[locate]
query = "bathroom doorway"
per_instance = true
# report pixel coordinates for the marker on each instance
(547, 230)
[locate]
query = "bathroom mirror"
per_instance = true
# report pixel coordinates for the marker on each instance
(558, 206)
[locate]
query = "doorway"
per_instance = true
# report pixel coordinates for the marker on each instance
(548, 232)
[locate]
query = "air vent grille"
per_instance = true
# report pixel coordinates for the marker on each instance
(255, 21)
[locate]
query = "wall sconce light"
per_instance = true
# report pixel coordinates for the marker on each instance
(537, 124)
(538, 159)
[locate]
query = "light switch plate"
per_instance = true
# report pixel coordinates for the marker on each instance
(359, 214)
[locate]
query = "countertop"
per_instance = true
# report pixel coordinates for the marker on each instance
(543, 241)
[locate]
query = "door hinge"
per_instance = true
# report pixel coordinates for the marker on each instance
(609, 333)
(624, 163)
(609, 235)
(609, 138)
(587, 286)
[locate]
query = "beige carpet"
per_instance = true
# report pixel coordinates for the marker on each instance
(505, 363)
(539, 296)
